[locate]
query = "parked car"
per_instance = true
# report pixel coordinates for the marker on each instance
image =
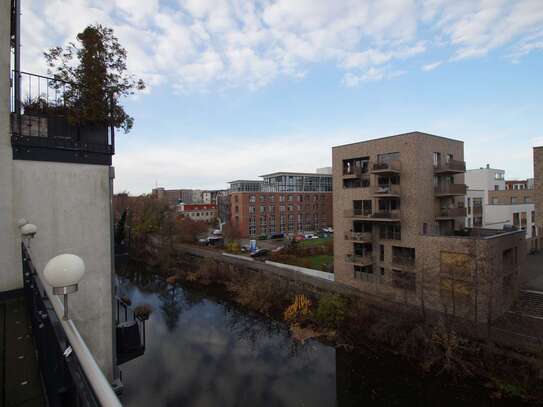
(311, 236)
(277, 236)
(260, 253)
(299, 238)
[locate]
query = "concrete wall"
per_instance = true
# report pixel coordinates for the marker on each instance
(70, 205)
(496, 216)
(10, 258)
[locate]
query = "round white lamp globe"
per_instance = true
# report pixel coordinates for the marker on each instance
(28, 230)
(21, 222)
(63, 272)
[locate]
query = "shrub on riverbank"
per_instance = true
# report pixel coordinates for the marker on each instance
(331, 311)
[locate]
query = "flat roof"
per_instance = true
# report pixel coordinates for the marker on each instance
(245, 180)
(311, 174)
(485, 168)
(411, 133)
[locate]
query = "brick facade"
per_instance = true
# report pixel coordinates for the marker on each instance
(399, 228)
(264, 213)
(511, 196)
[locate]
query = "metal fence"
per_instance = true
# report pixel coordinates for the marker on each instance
(64, 378)
(45, 115)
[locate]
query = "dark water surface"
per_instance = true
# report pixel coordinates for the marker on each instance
(202, 352)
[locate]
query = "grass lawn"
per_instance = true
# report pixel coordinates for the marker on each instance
(314, 242)
(312, 262)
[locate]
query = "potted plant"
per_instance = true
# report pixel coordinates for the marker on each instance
(92, 75)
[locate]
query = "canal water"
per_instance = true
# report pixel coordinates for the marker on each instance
(202, 351)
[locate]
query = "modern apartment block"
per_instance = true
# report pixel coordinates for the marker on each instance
(493, 202)
(283, 202)
(399, 228)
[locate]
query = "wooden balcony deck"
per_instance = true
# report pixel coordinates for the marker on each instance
(20, 381)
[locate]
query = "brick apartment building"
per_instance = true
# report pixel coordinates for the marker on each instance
(399, 228)
(282, 202)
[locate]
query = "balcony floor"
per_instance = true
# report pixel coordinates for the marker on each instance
(20, 381)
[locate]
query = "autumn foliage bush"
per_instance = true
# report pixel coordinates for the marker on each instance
(299, 311)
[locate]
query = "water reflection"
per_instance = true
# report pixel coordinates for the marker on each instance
(202, 351)
(205, 353)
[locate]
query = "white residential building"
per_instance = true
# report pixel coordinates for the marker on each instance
(491, 204)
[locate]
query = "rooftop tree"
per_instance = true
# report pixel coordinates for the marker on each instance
(95, 66)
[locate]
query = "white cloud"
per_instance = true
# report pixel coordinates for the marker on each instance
(175, 159)
(203, 44)
(432, 66)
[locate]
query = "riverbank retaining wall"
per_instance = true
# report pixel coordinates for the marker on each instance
(518, 336)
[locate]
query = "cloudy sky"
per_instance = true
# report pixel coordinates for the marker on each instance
(239, 88)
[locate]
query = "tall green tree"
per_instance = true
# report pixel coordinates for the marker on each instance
(95, 66)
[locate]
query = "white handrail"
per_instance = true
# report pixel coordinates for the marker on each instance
(101, 386)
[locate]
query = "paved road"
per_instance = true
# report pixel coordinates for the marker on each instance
(532, 276)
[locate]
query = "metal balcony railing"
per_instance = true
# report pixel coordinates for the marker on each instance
(355, 171)
(403, 261)
(386, 190)
(357, 213)
(450, 189)
(45, 124)
(359, 236)
(390, 167)
(452, 212)
(130, 332)
(450, 167)
(71, 376)
(393, 214)
(362, 260)
(370, 277)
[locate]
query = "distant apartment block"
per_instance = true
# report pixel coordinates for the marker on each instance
(282, 202)
(399, 220)
(174, 196)
(197, 212)
(520, 184)
(493, 202)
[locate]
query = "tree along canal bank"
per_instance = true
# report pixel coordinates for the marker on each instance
(313, 309)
